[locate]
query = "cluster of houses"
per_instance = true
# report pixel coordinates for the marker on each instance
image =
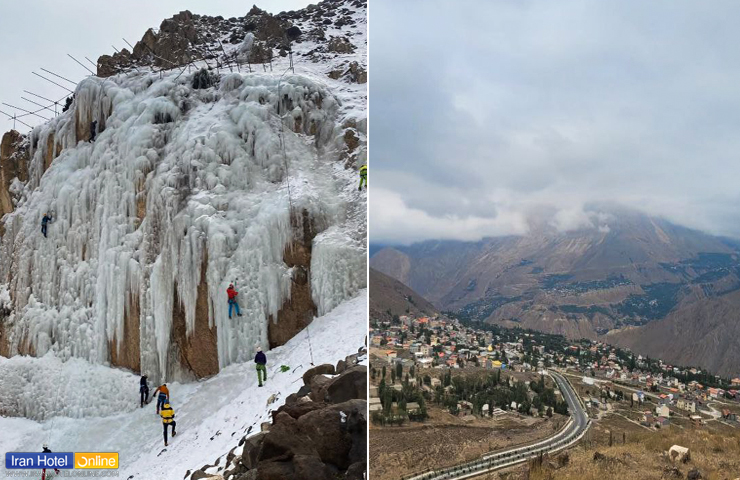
(448, 344)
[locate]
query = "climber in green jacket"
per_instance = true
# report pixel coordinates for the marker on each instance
(363, 176)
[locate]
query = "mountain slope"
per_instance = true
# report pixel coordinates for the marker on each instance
(390, 297)
(211, 414)
(232, 167)
(626, 270)
(703, 332)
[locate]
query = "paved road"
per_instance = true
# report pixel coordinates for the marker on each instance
(571, 433)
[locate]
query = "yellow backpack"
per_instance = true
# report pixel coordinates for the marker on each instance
(167, 413)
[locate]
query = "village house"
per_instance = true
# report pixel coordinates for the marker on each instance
(662, 411)
(464, 408)
(686, 405)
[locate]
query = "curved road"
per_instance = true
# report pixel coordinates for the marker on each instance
(567, 436)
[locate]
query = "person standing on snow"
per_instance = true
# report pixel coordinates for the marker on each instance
(232, 293)
(45, 222)
(43, 472)
(261, 361)
(164, 396)
(143, 390)
(363, 176)
(93, 130)
(168, 418)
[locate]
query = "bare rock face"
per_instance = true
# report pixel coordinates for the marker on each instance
(299, 311)
(199, 350)
(13, 164)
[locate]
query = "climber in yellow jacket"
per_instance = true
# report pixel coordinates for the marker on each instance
(363, 176)
(168, 418)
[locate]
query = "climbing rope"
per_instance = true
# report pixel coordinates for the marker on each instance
(310, 350)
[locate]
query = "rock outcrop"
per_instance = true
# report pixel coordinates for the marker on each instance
(319, 436)
(13, 165)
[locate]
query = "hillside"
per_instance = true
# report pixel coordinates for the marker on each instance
(214, 162)
(626, 271)
(389, 297)
(75, 406)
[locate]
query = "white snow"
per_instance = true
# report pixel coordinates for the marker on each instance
(212, 415)
(217, 172)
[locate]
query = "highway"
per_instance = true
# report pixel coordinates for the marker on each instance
(574, 429)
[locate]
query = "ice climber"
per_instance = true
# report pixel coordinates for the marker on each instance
(43, 472)
(168, 418)
(93, 130)
(363, 176)
(261, 361)
(164, 396)
(232, 293)
(143, 390)
(45, 222)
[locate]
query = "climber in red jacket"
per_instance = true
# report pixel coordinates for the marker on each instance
(232, 293)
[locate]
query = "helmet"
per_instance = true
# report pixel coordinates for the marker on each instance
(231, 285)
(166, 405)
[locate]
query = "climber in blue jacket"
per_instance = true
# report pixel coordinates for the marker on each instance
(44, 222)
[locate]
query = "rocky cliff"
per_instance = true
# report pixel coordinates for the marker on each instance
(200, 175)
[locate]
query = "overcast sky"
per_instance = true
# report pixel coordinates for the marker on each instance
(40, 34)
(486, 114)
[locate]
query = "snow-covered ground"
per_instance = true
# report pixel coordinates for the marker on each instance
(212, 415)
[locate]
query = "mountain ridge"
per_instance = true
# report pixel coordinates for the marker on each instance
(628, 271)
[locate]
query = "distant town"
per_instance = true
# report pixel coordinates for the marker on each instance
(431, 349)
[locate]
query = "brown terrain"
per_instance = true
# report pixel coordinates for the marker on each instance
(714, 455)
(445, 440)
(390, 297)
(637, 280)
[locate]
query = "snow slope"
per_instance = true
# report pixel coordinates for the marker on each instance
(212, 415)
(180, 180)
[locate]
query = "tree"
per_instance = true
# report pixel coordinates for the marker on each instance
(399, 370)
(412, 371)
(383, 372)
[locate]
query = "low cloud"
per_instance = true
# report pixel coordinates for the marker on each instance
(487, 116)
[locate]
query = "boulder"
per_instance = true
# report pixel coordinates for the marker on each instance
(310, 468)
(285, 440)
(317, 387)
(335, 440)
(694, 474)
(251, 450)
(351, 384)
(678, 453)
(341, 366)
(341, 45)
(356, 471)
(297, 410)
(325, 369)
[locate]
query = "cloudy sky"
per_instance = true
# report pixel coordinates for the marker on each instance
(40, 34)
(485, 115)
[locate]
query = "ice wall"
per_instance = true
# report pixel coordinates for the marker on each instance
(178, 180)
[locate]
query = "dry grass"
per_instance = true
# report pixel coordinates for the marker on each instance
(714, 452)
